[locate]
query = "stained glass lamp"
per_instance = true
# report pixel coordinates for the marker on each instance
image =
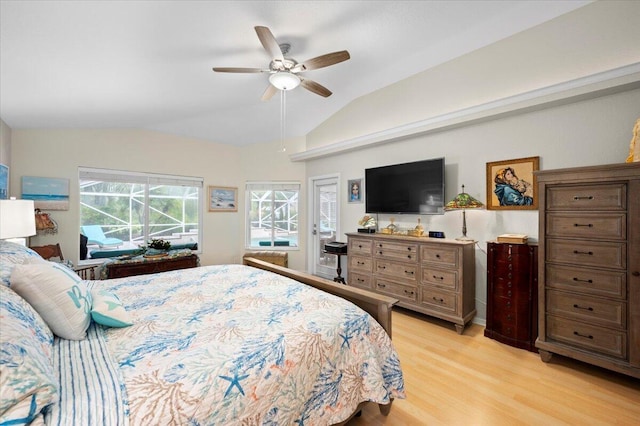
(463, 201)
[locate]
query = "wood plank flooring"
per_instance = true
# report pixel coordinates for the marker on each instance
(473, 380)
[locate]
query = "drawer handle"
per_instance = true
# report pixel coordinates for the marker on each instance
(588, 225)
(586, 336)
(409, 256)
(588, 308)
(438, 300)
(410, 293)
(381, 285)
(582, 281)
(409, 272)
(589, 197)
(438, 256)
(360, 263)
(382, 267)
(360, 280)
(380, 252)
(590, 253)
(409, 248)
(359, 245)
(438, 278)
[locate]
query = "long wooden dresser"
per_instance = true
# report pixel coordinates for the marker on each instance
(589, 270)
(428, 275)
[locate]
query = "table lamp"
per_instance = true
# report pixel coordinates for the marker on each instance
(17, 220)
(463, 201)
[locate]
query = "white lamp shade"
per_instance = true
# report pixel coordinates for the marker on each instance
(17, 219)
(284, 80)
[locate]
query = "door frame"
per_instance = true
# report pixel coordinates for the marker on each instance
(311, 261)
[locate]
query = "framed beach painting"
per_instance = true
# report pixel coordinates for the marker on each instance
(223, 199)
(4, 182)
(355, 190)
(46, 193)
(511, 184)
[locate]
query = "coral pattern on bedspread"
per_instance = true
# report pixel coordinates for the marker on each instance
(230, 344)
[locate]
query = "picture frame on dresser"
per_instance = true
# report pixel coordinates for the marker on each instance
(511, 184)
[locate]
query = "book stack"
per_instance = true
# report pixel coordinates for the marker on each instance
(513, 238)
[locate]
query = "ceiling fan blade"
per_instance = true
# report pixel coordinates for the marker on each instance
(322, 61)
(269, 43)
(268, 94)
(240, 70)
(314, 87)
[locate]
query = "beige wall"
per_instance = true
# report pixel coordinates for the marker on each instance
(5, 144)
(59, 153)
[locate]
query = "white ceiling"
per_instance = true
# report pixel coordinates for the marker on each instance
(147, 64)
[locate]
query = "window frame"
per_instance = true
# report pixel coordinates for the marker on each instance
(273, 186)
(148, 180)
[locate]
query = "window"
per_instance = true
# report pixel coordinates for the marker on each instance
(136, 207)
(272, 214)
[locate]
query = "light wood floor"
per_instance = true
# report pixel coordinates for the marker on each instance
(472, 380)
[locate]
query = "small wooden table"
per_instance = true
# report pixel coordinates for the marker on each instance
(141, 265)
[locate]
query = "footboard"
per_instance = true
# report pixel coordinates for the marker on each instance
(378, 306)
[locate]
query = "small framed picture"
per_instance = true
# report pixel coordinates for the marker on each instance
(223, 199)
(4, 182)
(355, 190)
(511, 184)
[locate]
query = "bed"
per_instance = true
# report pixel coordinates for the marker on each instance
(252, 344)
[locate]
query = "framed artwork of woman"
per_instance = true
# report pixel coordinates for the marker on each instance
(355, 191)
(511, 184)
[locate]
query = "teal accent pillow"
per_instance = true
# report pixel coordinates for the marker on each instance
(108, 310)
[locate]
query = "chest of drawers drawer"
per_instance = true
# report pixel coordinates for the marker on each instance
(360, 280)
(441, 256)
(596, 282)
(594, 310)
(439, 299)
(586, 336)
(587, 197)
(360, 246)
(392, 288)
(588, 253)
(396, 251)
(406, 271)
(584, 225)
(360, 263)
(440, 277)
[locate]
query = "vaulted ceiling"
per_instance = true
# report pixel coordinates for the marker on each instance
(148, 64)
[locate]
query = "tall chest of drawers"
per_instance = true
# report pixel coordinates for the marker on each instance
(512, 294)
(432, 276)
(589, 273)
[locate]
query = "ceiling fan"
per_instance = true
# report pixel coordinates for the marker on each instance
(285, 71)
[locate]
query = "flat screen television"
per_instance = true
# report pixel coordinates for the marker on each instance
(412, 188)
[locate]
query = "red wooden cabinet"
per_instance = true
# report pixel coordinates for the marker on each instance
(512, 288)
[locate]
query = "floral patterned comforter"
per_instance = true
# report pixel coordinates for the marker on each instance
(231, 344)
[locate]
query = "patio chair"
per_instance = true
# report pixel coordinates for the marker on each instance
(95, 235)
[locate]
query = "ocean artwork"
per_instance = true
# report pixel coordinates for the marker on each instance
(46, 193)
(223, 199)
(4, 182)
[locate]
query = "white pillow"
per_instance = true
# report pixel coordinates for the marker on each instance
(108, 310)
(57, 294)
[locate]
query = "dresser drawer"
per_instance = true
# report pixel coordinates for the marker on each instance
(391, 288)
(443, 256)
(359, 263)
(404, 255)
(394, 269)
(584, 225)
(587, 281)
(589, 337)
(440, 300)
(594, 310)
(358, 246)
(587, 197)
(588, 253)
(396, 246)
(441, 277)
(360, 280)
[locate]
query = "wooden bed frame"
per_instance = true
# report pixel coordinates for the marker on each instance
(378, 306)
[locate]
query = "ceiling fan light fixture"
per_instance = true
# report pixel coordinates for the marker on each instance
(284, 80)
